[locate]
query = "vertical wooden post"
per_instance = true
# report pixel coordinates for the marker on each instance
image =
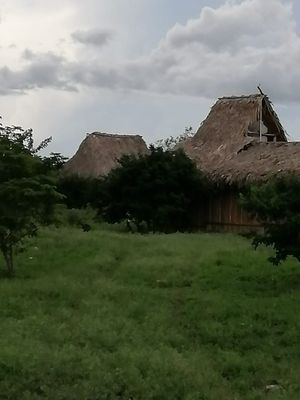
(260, 118)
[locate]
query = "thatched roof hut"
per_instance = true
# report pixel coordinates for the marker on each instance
(100, 152)
(243, 139)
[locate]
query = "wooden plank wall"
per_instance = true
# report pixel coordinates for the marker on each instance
(224, 214)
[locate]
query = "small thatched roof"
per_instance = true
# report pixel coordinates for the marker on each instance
(99, 153)
(232, 143)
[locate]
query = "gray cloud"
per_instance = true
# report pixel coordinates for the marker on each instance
(42, 71)
(93, 37)
(226, 50)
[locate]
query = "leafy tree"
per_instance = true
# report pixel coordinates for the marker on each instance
(171, 142)
(276, 204)
(80, 192)
(162, 190)
(27, 190)
(54, 162)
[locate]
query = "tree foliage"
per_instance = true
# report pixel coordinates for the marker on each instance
(161, 190)
(27, 190)
(171, 142)
(54, 162)
(80, 192)
(276, 204)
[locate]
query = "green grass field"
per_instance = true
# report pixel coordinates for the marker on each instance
(106, 315)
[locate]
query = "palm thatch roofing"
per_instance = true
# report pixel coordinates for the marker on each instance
(242, 139)
(100, 152)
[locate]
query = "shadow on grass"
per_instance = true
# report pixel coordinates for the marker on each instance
(274, 284)
(6, 275)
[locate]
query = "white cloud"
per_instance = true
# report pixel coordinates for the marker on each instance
(254, 23)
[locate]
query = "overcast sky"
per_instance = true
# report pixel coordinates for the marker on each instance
(152, 67)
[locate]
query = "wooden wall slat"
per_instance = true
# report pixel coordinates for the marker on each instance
(224, 211)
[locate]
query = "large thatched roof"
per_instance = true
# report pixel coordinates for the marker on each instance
(260, 161)
(232, 143)
(99, 153)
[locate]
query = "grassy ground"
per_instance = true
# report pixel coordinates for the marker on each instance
(105, 315)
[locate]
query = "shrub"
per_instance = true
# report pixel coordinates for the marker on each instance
(80, 191)
(276, 204)
(160, 191)
(84, 218)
